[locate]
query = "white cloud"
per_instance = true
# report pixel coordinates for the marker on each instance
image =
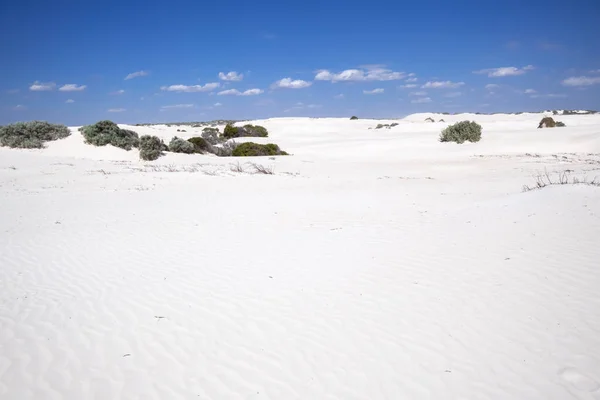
(421, 100)
(453, 95)
(442, 85)
(548, 96)
(491, 86)
(368, 73)
(409, 86)
(595, 71)
(374, 91)
(136, 74)
(421, 93)
(218, 104)
(231, 76)
(42, 87)
(235, 92)
(72, 87)
(191, 89)
(177, 106)
(530, 91)
(121, 91)
(581, 81)
(412, 80)
(288, 83)
(19, 107)
(116, 110)
(70, 101)
(504, 71)
(338, 96)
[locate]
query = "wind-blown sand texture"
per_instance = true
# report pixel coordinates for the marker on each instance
(374, 264)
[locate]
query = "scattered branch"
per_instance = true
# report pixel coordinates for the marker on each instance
(562, 178)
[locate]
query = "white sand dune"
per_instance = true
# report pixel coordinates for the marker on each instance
(374, 264)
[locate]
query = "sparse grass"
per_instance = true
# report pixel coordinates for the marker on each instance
(562, 178)
(261, 169)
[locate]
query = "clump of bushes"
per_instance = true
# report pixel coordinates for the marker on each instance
(388, 126)
(107, 132)
(31, 135)
(251, 149)
(211, 135)
(178, 145)
(200, 145)
(248, 130)
(353, 117)
(151, 147)
(461, 132)
(547, 122)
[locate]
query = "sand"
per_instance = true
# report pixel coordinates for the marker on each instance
(373, 264)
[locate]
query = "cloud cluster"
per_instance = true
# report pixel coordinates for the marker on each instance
(191, 89)
(42, 86)
(369, 73)
(72, 87)
(289, 83)
(504, 71)
(177, 106)
(374, 91)
(235, 92)
(231, 76)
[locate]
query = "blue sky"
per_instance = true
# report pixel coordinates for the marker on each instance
(77, 62)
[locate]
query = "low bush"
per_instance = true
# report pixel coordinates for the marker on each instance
(211, 135)
(31, 135)
(547, 122)
(226, 150)
(560, 124)
(429, 119)
(178, 145)
(200, 145)
(251, 149)
(107, 132)
(461, 132)
(150, 147)
(353, 117)
(231, 132)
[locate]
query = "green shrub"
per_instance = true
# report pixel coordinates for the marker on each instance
(353, 117)
(178, 145)
(107, 132)
(211, 135)
(150, 147)
(560, 124)
(31, 135)
(254, 131)
(461, 132)
(200, 145)
(230, 131)
(251, 149)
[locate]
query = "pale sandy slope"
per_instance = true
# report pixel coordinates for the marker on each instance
(374, 264)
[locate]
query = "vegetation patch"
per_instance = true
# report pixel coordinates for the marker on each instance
(178, 145)
(211, 135)
(251, 149)
(462, 132)
(107, 132)
(547, 122)
(200, 145)
(151, 147)
(32, 134)
(231, 132)
(353, 117)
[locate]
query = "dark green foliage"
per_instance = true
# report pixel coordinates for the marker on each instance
(201, 145)
(251, 149)
(255, 131)
(248, 130)
(461, 132)
(560, 124)
(31, 135)
(178, 145)
(107, 132)
(230, 132)
(547, 122)
(353, 117)
(150, 147)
